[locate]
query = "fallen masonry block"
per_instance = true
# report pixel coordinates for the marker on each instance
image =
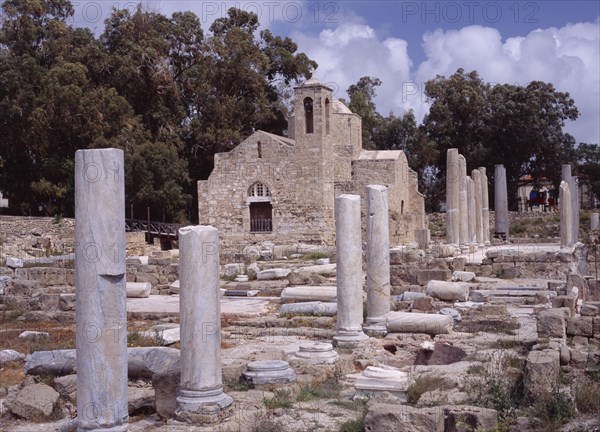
(408, 322)
(449, 291)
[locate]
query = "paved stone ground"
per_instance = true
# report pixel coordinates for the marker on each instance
(478, 255)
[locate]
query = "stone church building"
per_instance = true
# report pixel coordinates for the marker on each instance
(282, 189)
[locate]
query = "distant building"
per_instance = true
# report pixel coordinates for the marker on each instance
(541, 196)
(3, 201)
(281, 189)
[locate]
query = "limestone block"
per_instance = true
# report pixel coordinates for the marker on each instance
(35, 336)
(166, 387)
(33, 402)
(541, 371)
(66, 386)
(580, 326)
(466, 417)
(138, 289)
(252, 269)
(376, 380)
(274, 273)
(327, 270)
(233, 269)
(424, 276)
(393, 417)
(596, 327)
(589, 310)
(66, 302)
(139, 398)
(551, 323)
(266, 372)
(174, 287)
(10, 355)
(463, 276)
(449, 291)
(408, 322)
(309, 293)
(13, 262)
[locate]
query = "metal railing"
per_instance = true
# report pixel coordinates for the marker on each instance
(156, 229)
(261, 225)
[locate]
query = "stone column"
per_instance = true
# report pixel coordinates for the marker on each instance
(100, 311)
(452, 196)
(200, 317)
(463, 209)
(573, 189)
(378, 260)
(485, 205)
(501, 222)
(471, 210)
(594, 221)
(348, 249)
(566, 215)
(476, 175)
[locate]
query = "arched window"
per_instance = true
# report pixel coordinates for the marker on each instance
(327, 109)
(259, 190)
(402, 207)
(259, 150)
(308, 115)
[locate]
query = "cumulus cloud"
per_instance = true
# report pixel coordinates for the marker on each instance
(568, 57)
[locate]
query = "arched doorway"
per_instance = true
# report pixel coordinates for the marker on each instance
(261, 210)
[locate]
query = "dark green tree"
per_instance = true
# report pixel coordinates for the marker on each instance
(362, 95)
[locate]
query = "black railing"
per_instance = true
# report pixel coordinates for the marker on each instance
(261, 225)
(155, 229)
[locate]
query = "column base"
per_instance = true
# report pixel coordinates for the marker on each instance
(349, 339)
(205, 402)
(377, 329)
(119, 428)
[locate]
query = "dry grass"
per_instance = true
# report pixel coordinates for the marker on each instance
(11, 373)
(61, 336)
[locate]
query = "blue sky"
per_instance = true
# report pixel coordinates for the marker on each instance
(405, 43)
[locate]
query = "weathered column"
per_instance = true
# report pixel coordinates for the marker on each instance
(378, 260)
(348, 249)
(200, 317)
(471, 210)
(566, 215)
(573, 189)
(476, 176)
(100, 311)
(594, 221)
(485, 206)
(452, 196)
(501, 221)
(463, 209)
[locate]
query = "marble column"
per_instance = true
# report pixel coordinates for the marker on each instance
(476, 176)
(452, 196)
(501, 221)
(485, 205)
(378, 260)
(100, 311)
(471, 210)
(348, 248)
(594, 221)
(566, 215)
(573, 189)
(200, 317)
(463, 208)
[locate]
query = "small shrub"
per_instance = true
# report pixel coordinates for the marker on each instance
(266, 424)
(587, 396)
(321, 390)
(358, 424)
(281, 399)
(554, 409)
(57, 219)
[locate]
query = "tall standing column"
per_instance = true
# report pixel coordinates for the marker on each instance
(476, 175)
(378, 260)
(100, 311)
(471, 211)
(566, 215)
(200, 318)
(452, 196)
(485, 204)
(501, 221)
(573, 189)
(463, 209)
(348, 249)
